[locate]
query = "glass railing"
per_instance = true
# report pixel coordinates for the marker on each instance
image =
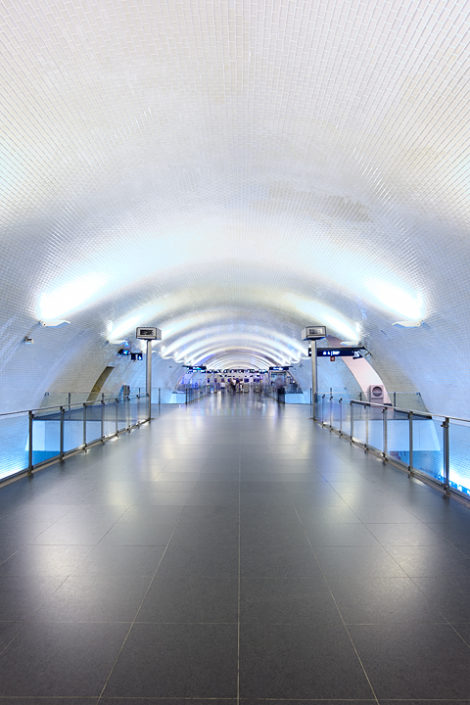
(401, 400)
(431, 445)
(30, 439)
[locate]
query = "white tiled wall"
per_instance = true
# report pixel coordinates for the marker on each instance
(201, 164)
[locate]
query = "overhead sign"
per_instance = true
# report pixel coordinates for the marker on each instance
(148, 333)
(314, 332)
(278, 369)
(339, 352)
(197, 368)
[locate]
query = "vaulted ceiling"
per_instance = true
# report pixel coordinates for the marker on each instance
(232, 170)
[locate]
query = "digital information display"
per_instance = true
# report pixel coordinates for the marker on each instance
(314, 332)
(148, 333)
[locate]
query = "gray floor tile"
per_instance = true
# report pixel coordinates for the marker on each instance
(139, 532)
(406, 534)
(47, 700)
(209, 515)
(330, 533)
(177, 661)
(374, 513)
(203, 560)
(44, 560)
(383, 600)
(293, 661)
(459, 701)
(76, 531)
(165, 701)
(277, 561)
(464, 631)
(307, 701)
(107, 559)
(95, 598)
(357, 561)
(190, 598)
(54, 659)
(207, 532)
(414, 661)
(429, 561)
(21, 597)
(8, 631)
(287, 601)
(336, 512)
(448, 594)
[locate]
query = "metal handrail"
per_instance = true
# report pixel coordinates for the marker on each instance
(370, 440)
(56, 407)
(44, 414)
(425, 414)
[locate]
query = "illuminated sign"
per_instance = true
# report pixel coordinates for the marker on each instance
(314, 332)
(278, 369)
(339, 352)
(148, 333)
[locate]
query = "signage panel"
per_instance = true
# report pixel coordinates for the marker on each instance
(314, 332)
(339, 352)
(148, 333)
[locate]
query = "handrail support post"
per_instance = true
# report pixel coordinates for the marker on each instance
(445, 449)
(385, 433)
(61, 433)
(84, 426)
(410, 442)
(103, 404)
(30, 435)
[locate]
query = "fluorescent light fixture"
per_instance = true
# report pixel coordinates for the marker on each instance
(330, 317)
(69, 297)
(396, 299)
(117, 333)
(343, 327)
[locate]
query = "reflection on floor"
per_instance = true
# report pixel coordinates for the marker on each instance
(232, 551)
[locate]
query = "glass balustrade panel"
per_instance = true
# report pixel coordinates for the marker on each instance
(359, 414)
(428, 446)
(459, 456)
(93, 423)
(46, 435)
(398, 435)
(14, 444)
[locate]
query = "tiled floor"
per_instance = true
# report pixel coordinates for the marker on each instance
(232, 551)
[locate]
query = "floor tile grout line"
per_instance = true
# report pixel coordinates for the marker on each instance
(134, 621)
(454, 628)
(345, 626)
(413, 579)
(386, 548)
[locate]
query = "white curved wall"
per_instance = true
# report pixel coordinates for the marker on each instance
(232, 172)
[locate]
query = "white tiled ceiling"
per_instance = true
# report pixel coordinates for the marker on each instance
(234, 170)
